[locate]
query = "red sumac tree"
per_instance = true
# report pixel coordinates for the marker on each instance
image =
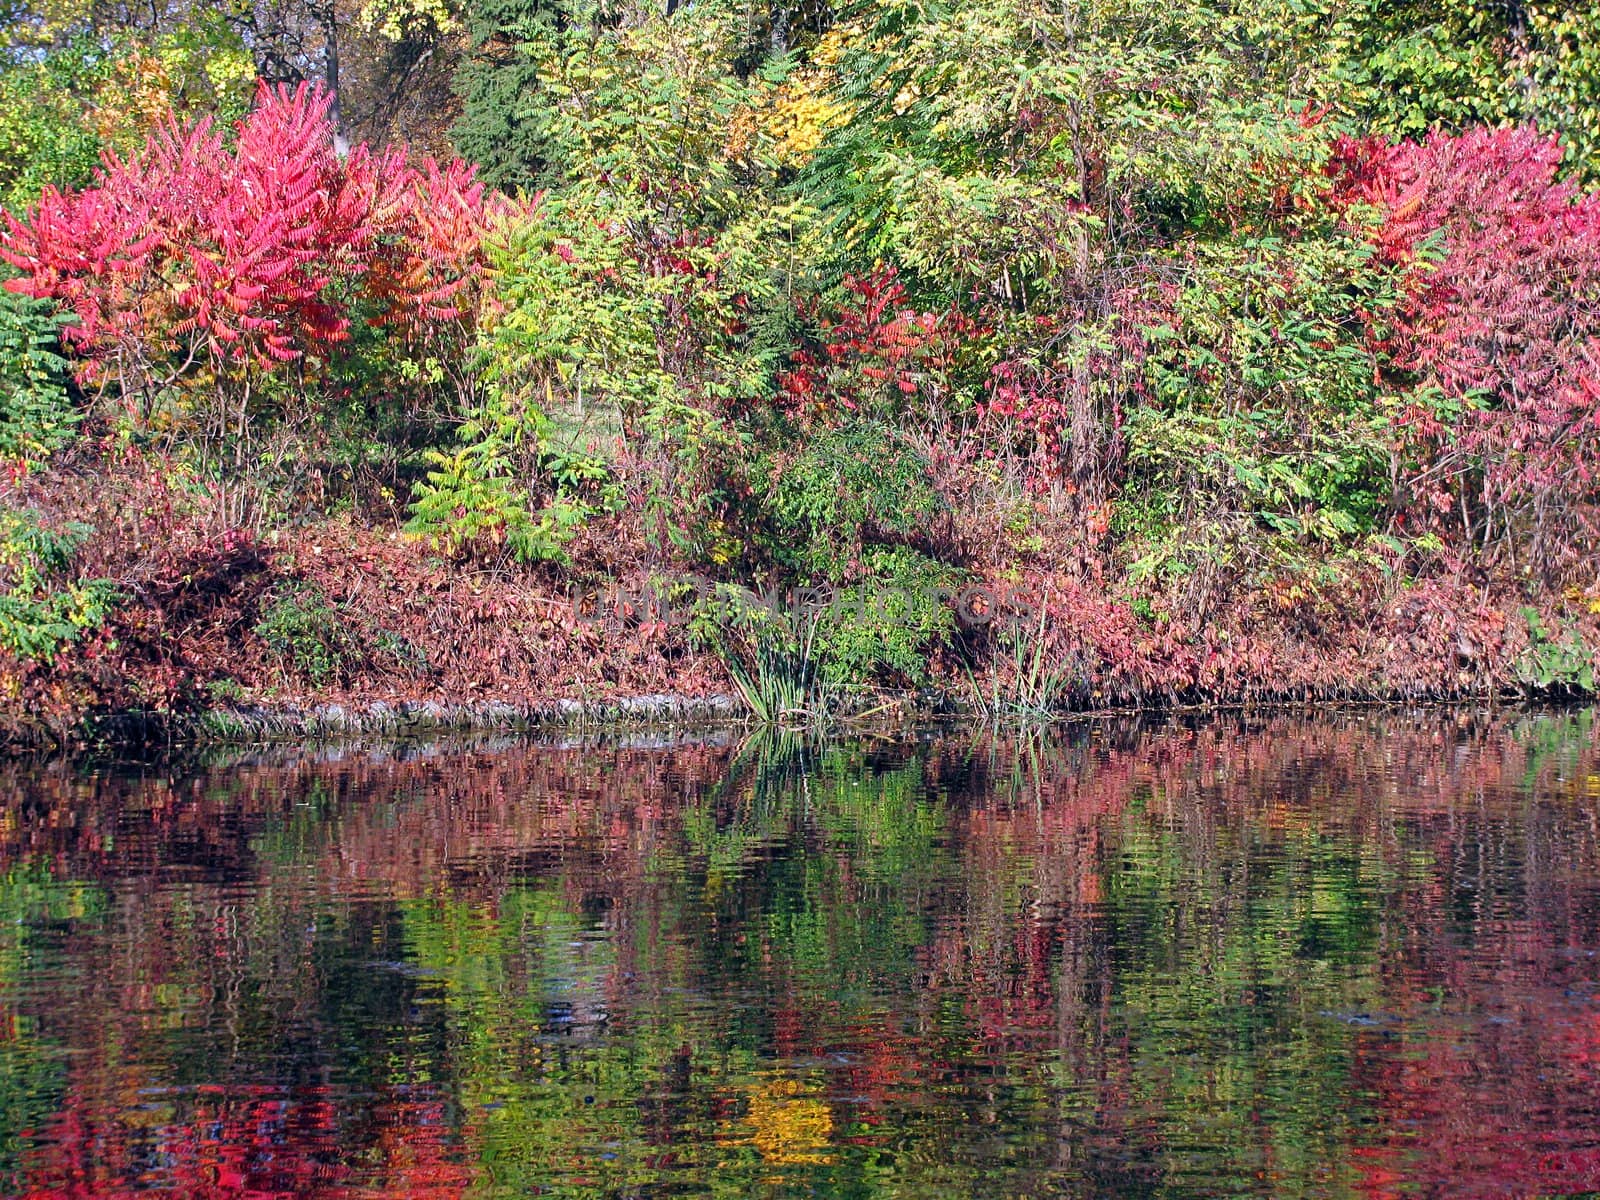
(197, 261)
(1496, 341)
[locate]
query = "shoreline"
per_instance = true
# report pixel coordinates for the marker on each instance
(131, 732)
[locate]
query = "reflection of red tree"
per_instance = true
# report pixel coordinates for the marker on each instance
(1011, 970)
(1498, 1090)
(1454, 1125)
(248, 1144)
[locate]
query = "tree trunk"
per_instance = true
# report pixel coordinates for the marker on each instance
(330, 35)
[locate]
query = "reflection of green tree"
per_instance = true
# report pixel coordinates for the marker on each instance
(33, 905)
(1246, 965)
(844, 969)
(586, 1054)
(1553, 741)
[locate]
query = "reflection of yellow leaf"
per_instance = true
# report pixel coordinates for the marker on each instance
(790, 1128)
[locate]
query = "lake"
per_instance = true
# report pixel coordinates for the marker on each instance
(1355, 955)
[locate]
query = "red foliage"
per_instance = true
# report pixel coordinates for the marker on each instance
(878, 351)
(1036, 399)
(1500, 310)
(1068, 404)
(432, 243)
(255, 1143)
(192, 250)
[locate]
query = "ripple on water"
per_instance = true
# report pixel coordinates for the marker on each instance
(1351, 956)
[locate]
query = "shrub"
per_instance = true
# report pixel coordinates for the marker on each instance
(43, 609)
(36, 414)
(1258, 388)
(1496, 344)
(1554, 664)
(883, 628)
(310, 633)
(216, 267)
(851, 486)
(475, 498)
(626, 325)
(769, 650)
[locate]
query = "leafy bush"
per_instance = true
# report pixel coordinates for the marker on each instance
(1495, 348)
(311, 634)
(36, 415)
(324, 641)
(846, 515)
(625, 323)
(800, 651)
(769, 650)
(850, 486)
(233, 265)
(475, 496)
(883, 627)
(1260, 390)
(42, 610)
(1552, 663)
(44, 137)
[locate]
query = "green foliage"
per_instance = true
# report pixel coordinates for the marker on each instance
(622, 317)
(91, 92)
(1263, 416)
(881, 628)
(849, 486)
(44, 138)
(309, 632)
(225, 691)
(1559, 69)
(1405, 68)
(696, 466)
(845, 514)
(473, 497)
(770, 652)
(1552, 663)
(37, 417)
(987, 142)
(616, 303)
(504, 122)
(42, 610)
(648, 100)
(1401, 69)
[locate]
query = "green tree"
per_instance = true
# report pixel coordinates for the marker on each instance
(505, 111)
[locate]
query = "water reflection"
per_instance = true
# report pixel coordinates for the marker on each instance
(1353, 956)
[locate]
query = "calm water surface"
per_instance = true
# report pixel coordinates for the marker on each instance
(1357, 956)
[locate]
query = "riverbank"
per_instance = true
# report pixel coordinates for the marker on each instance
(1189, 405)
(643, 720)
(344, 714)
(345, 625)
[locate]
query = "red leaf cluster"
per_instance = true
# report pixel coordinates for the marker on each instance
(878, 349)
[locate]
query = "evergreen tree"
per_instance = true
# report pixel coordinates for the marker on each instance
(504, 119)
